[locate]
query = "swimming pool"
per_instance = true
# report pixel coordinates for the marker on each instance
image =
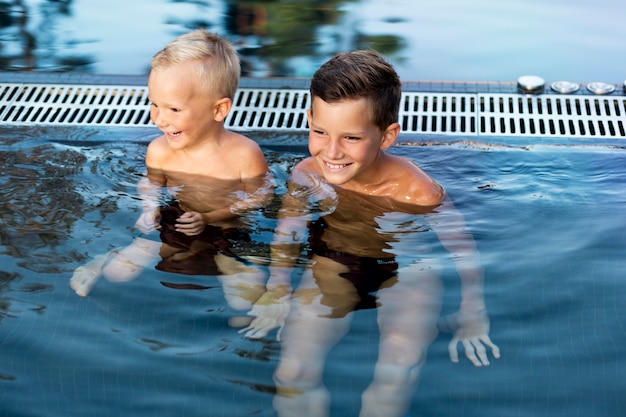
(546, 209)
(548, 220)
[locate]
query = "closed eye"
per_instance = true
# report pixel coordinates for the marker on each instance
(172, 109)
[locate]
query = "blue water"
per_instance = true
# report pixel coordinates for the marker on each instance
(549, 222)
(453, 40)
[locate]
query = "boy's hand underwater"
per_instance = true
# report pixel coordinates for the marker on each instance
(271, 311)
(148, 221)
(472, 331)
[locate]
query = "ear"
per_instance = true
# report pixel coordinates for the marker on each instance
(309, 116)
(390, 135)
(221, 109)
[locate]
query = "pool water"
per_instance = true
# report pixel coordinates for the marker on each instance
(549, 222)
(452, 40)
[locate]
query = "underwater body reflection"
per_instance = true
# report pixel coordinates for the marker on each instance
(366, 252)
(548, 223)
(362, 252)
(166, 197)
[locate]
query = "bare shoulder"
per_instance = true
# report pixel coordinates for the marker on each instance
(304, 173)
(305, 169)
(307, 165)
(157, 152)
(247, 154)
(415, 186)
(240, 143)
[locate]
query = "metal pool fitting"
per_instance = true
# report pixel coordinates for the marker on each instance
(530, 83)
(600, 88)
(565, 87)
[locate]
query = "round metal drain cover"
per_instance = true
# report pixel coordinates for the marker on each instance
(565, 87)
(600, 88)
(530, 83)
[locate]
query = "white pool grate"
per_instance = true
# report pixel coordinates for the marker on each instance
(485, 114)
(41, 104)
(258, 109)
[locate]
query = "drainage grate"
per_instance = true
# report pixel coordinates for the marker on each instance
(40, 104)
(269, 109)
(257, 109)
(552, 115)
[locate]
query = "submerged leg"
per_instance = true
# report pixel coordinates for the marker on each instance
(86, 276)
(313, 327)
(407, 318)
(242, 284)
(127, 264)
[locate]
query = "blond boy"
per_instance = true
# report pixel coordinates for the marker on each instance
(213, 174)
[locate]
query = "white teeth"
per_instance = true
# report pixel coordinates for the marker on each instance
(333, 166)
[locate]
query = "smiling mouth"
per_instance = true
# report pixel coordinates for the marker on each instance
(335, 167)
(174, 134)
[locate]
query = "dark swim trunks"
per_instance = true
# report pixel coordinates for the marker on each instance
(365, 273)
(212, 240)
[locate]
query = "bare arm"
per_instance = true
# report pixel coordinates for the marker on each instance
(291, 232)
(256, 193)
(149, 189)
(471, 323)
(255, 190)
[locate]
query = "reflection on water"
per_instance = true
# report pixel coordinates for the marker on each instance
(28, 47)
(38, 201)
(282, 36)
(272, 37)
(481, 40)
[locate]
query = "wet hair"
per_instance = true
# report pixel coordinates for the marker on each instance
(360, 74)
(218, 63)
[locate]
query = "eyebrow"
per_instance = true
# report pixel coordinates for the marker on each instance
(167, 104)
(315, 126)
(344, 133)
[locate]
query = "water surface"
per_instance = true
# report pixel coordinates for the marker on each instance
(452, 40)
(549, 223)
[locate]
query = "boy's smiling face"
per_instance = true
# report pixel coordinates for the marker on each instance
(183, 113)
(345, 142)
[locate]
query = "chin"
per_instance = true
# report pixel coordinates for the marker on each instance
(334, 180)
(177, 142)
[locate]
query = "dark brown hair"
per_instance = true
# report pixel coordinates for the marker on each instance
(360, 74)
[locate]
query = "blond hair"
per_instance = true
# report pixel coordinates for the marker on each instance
(218, 63)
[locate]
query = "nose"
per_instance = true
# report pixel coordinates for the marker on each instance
(333, 150)
(155, 116)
